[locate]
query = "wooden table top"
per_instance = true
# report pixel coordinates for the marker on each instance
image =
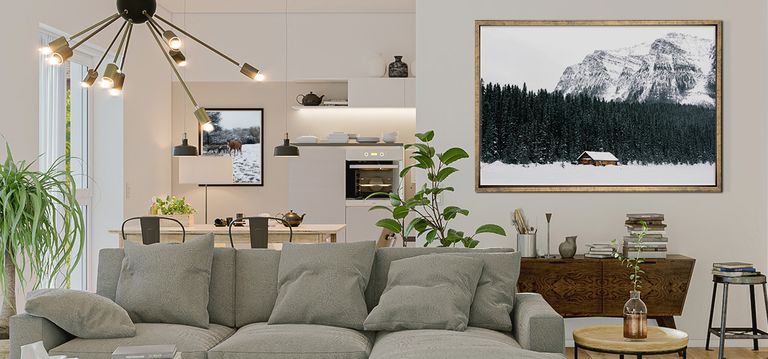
(209, 228)
(611, 338)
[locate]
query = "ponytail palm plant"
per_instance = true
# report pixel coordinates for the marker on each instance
(41, 229)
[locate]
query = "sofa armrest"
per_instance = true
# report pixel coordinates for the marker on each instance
(537, 326)
(26, 329)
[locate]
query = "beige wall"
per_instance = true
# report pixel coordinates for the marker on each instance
(272, 197)
(708, 227)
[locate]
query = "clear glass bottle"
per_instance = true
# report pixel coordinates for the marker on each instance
(635, 317)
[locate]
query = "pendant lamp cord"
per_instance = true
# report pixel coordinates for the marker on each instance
(286, 69)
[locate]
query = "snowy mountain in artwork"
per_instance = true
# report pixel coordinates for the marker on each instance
(677, 68)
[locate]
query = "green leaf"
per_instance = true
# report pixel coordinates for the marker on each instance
(451, 212)
(405, 171)
(424, 150)
(424, 162)
(426, 136)
(431, 235)
(452, 155)
(395, 200)
(444, 173)
(380, 207)
(400, 212)
(390, 224)
(491, 228)
(469, 242)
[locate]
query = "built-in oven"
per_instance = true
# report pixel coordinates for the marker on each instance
(373, 172)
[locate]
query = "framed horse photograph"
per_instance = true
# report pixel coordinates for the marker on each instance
(238, 133)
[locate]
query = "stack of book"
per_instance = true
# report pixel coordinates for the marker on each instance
(734, 269)
(146, 352)
(599, 250)
(653, 243)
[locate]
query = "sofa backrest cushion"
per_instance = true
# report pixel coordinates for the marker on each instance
(385, 256)
(221, 290)
(256, 285)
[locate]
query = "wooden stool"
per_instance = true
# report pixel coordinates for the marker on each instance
(736, 332)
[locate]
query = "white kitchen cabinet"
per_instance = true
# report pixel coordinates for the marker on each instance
(316, 184)
(382, 92)
(361, 224)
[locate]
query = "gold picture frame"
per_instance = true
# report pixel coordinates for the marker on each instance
(718, 163)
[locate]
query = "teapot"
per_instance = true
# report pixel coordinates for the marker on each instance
(293, 219)
(309, 99)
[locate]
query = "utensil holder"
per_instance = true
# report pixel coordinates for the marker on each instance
(526, 245)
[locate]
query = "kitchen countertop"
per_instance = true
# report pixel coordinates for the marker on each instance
(349, 144)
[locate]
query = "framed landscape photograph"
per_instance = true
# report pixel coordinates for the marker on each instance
(238, 133)
(598, 106)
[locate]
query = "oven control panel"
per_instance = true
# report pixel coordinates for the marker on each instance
(390, 153)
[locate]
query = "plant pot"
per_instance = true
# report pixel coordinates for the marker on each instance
(635, 317)
(185, 219)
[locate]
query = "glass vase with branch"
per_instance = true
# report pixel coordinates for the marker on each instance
(635, 311)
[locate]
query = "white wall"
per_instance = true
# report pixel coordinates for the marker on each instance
(708, 227)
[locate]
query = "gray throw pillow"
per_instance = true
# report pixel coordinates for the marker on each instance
(323, 284)
(83, 314)
(167, 282)
(433, 291)
(495, 295)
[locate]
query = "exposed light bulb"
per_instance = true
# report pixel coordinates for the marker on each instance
(106, 83)
(260, 77)
(55, 59)
(175, 43)
(115, 92)
(46, 50)
(208, 127)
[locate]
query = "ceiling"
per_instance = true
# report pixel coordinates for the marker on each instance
(294, 6)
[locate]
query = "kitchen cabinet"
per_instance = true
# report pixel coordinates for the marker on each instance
(382, 92)
(316, 184)
(362, 223)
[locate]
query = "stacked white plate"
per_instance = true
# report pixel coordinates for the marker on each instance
(389, 137)
(367, 139)
(306, 139)
(337, 137)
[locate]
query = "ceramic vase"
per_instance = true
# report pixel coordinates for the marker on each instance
(635, 317)
(568, 247)
(398, 68)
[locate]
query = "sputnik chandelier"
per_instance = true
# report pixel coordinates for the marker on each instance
(136, 12)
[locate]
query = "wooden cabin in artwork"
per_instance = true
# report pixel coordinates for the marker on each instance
(597, 159)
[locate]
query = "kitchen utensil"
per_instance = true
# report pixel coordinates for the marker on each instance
(309, 99)
(293, 219)
(306, 139)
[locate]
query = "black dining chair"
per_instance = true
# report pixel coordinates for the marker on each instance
(150, 228)
(259, 231)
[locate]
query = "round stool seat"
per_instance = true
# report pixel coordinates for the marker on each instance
(610, 338)
(748, 280)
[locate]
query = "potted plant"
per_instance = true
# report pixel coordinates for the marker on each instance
(41, 229)
(430, 218)
(635, 311)
(173, 207)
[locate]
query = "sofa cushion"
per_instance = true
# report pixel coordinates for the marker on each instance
(193, 342)
(221, 302)
(295, 341)
(167, 282)
(385, 256)
(448, 344)
(427, 292)
(323, 284)
(82, 314)
(495, 295)
(256, 285)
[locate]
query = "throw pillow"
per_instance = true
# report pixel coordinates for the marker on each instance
(427, 292)
(495, 295)
(167, 282)
(323, 284)
(83, 314)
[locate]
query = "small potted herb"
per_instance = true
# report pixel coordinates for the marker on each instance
(173, 207)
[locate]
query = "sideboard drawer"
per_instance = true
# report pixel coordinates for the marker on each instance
(571, 287)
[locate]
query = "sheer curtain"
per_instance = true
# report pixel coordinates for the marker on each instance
(53, 110)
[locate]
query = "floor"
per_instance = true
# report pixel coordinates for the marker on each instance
(693, 353)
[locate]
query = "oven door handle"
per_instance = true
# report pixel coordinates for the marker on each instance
(372, 167)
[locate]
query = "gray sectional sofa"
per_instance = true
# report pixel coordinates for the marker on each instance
(242, 294)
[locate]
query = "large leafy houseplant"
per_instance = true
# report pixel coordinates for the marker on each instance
(431, 218)
(41, 228)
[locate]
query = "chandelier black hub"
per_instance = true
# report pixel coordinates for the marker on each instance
(134, 9)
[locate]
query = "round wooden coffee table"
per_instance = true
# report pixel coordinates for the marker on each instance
(610, 339)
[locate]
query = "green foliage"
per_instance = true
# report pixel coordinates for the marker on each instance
(41, 222)
(633, 264)
(431, 220)
(172, 205)
(522, 127)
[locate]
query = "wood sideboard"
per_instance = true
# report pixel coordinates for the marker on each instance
(585, 287)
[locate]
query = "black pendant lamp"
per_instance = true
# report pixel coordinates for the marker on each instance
(286, 149)
(184, 149)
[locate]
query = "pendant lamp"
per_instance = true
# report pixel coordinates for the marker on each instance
(184, 149)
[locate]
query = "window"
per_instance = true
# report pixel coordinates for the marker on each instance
(65, 111)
